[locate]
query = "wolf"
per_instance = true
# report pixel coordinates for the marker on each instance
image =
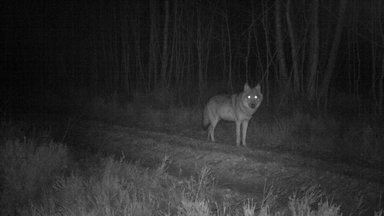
(237, 107)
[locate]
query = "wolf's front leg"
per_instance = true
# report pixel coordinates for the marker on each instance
(238, 123)
(244, 127)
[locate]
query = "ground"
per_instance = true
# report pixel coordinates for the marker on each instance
(240, 172)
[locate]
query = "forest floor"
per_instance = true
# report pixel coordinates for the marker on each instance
(240, 172)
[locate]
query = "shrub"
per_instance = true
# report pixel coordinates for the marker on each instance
(27, 168)
(306, 204)
(117, 188)
(363, 141)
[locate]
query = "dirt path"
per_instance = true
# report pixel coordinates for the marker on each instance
(240, 172)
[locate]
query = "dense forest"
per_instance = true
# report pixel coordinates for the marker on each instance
(105, 107)
(320, 54)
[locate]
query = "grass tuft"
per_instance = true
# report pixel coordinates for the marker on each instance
(306, 204)
(27, 169)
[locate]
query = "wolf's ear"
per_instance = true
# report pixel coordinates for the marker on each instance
(258, 87)
(246, 87)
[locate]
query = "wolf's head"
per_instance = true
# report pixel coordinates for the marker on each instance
(252, 97)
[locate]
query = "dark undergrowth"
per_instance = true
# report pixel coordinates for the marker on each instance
(341, 135)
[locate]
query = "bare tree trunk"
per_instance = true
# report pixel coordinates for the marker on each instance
(123, 38)
(173, 55)
(294, 50)
(313, 52)
(380, 80)
(283, 82)
(164, 56)
(199, 46)
(333, 53)
(377, 76)
(224, 51)
(94, 79)
(138, 61)
(268, 57)
(124, 48)
(248, 52)
(229, 50)
(381, 90)
(373, 62)
(142, 75)
(153, 43)
(116, 42)
(207, 51)
(357, 77)
(94, 65)
(203, 46)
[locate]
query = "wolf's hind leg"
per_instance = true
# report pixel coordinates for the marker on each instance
(211, 129)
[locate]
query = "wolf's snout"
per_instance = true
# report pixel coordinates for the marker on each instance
(252, 105)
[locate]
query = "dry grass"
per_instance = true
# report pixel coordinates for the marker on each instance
(34, 183)
(311, 204)
(27, 168)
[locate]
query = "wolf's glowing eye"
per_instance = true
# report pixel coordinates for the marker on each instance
(255, 97)
(249, 97)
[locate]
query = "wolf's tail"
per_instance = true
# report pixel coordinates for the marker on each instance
(205, 117)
